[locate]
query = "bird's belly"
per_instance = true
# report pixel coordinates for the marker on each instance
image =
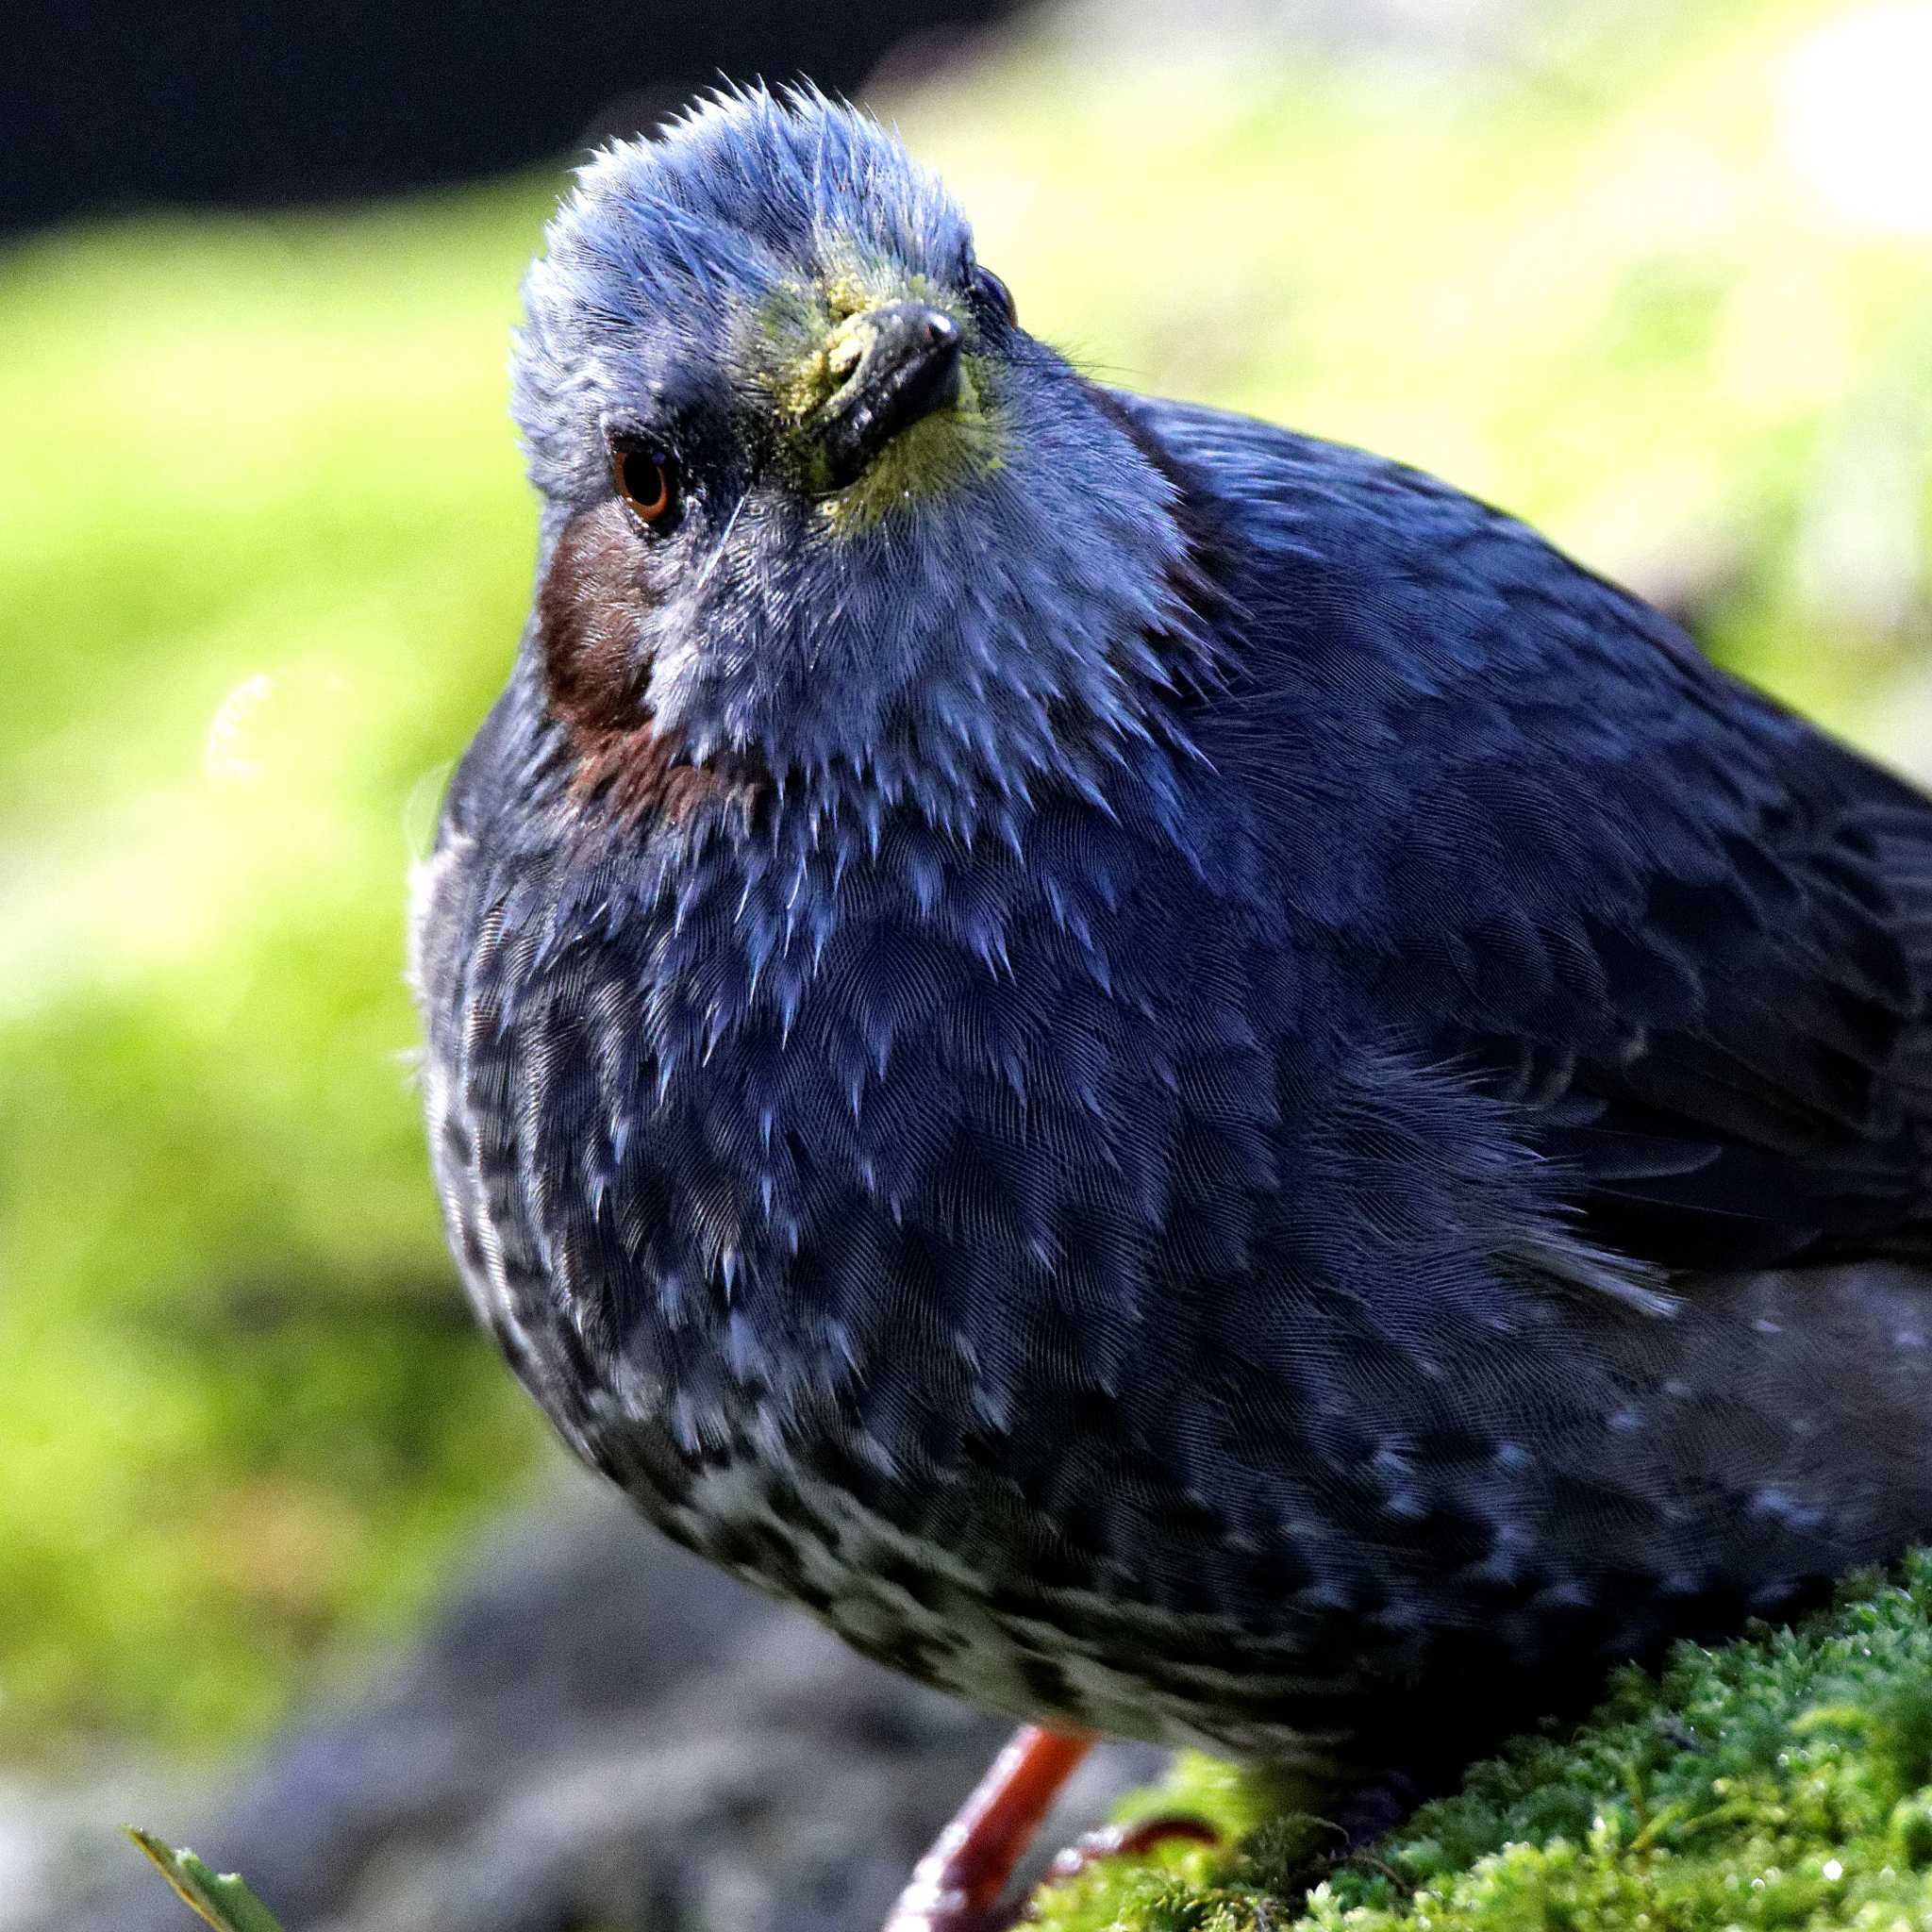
(1052, 1653)
(1698, 1520)
(1303, 1585)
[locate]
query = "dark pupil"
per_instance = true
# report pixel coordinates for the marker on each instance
(644, 480)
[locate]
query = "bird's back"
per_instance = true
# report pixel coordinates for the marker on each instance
(1688, 934)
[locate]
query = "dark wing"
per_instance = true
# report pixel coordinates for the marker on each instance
(1551, 844)
(1732, 1070)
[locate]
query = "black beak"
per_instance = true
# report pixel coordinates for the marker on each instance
(906, 367)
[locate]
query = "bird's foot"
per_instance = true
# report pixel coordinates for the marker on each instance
(1128, 1842)
(958, 1885)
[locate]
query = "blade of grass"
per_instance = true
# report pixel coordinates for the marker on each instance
(220, 1898)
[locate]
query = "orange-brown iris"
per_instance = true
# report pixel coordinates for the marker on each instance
(645, 482)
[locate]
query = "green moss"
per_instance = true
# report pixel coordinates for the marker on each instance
(1783, 1781)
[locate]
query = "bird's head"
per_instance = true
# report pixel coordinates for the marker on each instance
(812, 494)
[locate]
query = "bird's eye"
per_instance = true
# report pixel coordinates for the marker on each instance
(993, 294)
(648, 481)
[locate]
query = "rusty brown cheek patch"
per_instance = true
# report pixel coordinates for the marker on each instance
(587, 627)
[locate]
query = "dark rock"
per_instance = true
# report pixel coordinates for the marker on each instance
(598, 1731)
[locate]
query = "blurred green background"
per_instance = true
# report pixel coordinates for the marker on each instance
(1657, 277)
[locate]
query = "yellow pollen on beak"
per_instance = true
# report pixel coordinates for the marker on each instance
(815, 341)
(846, 348)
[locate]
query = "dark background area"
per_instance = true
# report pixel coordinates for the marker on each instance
(110, 106)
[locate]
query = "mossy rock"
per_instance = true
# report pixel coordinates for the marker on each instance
(1782, 1781)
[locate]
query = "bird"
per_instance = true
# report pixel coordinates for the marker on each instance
(1171, 1074)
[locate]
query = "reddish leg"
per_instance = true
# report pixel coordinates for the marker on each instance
(956, 1886)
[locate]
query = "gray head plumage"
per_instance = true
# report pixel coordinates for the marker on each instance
(939, 613)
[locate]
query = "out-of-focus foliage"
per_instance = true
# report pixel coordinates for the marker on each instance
(1781, 1782)
(265, 545)
(264, 552)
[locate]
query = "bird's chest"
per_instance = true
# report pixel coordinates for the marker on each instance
(897, 1133)
(836, 1241)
